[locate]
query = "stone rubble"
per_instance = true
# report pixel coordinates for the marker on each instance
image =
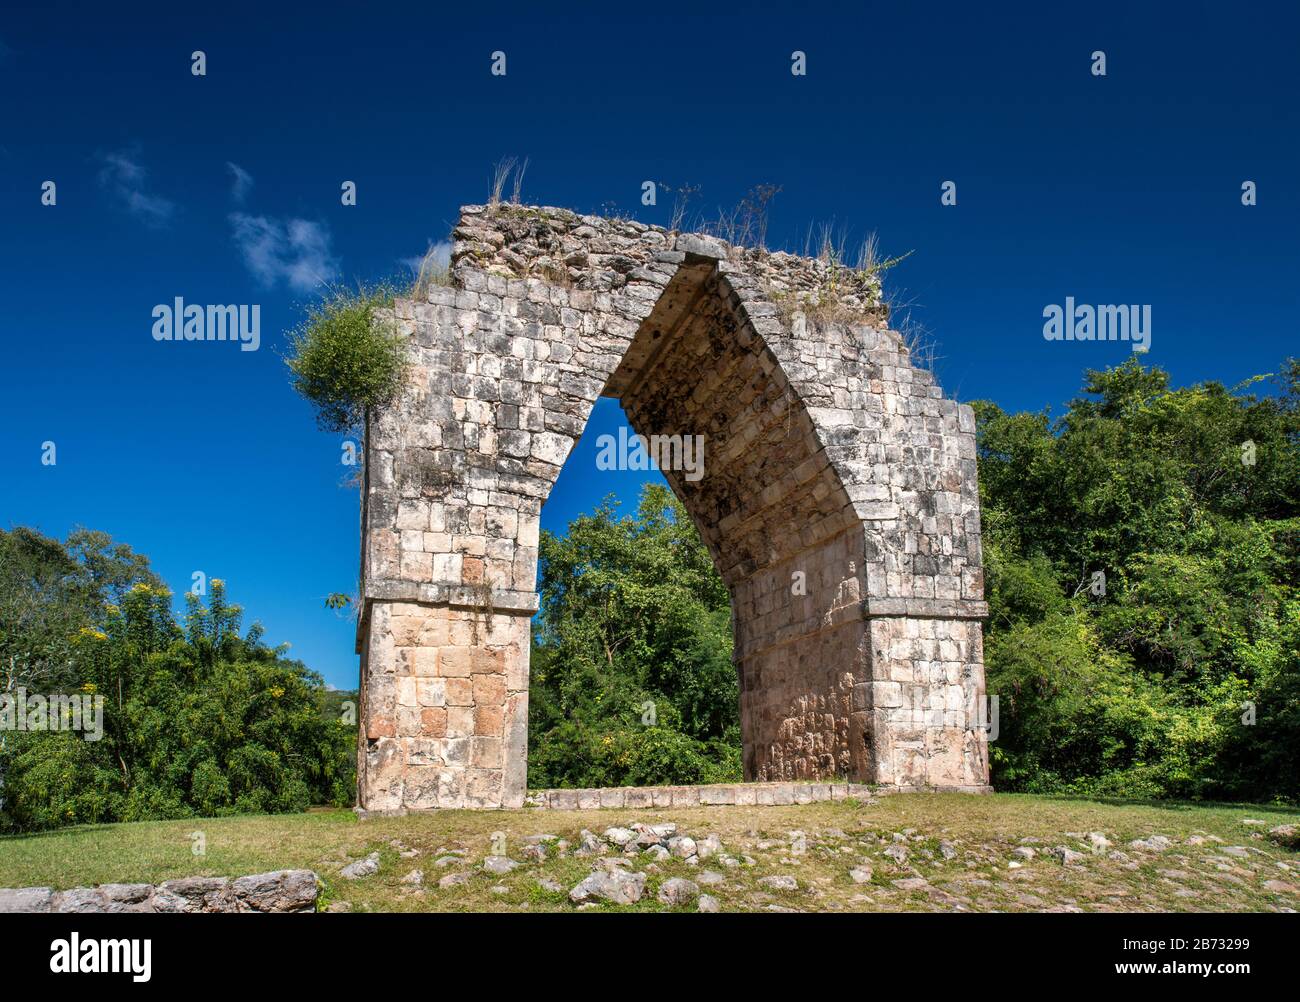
(361, 868)
(278, 891)
(613, 885)
(678, 891)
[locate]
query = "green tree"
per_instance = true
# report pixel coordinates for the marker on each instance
(198, 719)
(632, 679)
(1186, 501)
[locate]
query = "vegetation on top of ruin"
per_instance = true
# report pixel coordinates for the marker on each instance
(346, 357)
(345, 354)
(837, 287)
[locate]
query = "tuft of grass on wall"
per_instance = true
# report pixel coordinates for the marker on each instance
(345, 357)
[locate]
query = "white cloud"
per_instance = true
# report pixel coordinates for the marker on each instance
(441, 252)
(295, 251)
(241, 182)
(125, 178)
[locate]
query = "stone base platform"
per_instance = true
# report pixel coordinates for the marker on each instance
(712, 795)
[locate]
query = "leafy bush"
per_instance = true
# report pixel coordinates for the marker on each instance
(346, 358)
(198, 720)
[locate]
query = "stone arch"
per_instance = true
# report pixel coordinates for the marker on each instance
(838, 500)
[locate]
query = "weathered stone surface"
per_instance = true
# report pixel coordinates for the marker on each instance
(361, 868)
(26, 899)
(534, 853)
(836, 493)
(678, 891)
(1155, 843)
(613, 885)
(279, 891)
(197, 894)
(1287, 836)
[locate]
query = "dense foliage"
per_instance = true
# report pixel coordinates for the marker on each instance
(632, 681)
(344, 359)
(197, 719)
(1183, 678)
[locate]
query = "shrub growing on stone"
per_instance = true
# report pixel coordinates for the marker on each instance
(345, 357)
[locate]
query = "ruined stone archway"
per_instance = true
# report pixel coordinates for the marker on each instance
(838, 500)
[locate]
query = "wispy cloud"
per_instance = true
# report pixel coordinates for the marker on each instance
(441, 252)
(294, 251)
(124, 177)
(241, 182)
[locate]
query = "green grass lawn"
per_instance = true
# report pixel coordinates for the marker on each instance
(979, 833)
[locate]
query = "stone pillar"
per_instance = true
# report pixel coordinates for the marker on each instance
(444, 707)
(927, 684)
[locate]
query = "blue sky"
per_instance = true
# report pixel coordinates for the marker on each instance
(1117, 189)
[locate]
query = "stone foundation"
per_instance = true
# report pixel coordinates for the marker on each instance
(757, 794)
(838, 499)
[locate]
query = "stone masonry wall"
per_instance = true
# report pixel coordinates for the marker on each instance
(838, 500)
(801, 658)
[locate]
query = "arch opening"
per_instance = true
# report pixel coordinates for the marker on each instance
(774, 516)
